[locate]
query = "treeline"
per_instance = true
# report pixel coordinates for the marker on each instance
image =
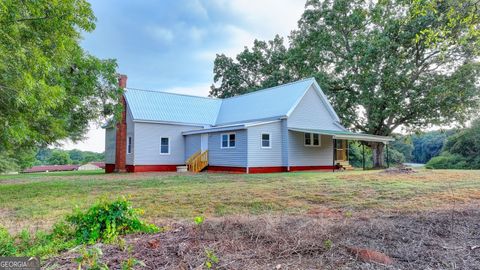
(461, 150)
(448, 149)
(47, 156)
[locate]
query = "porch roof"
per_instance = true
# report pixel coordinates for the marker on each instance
(346, 135)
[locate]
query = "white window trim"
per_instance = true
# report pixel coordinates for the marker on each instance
(311, 140)
(228, 146)
(269, 140)
(129, 144)
(160, 147)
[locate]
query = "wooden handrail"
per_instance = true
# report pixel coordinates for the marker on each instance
(189, 160)
(198, 162)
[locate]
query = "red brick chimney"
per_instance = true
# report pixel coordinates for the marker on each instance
(121, 134)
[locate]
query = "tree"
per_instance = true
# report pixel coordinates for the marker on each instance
(384, 64)
(50, 88)
(59, 157)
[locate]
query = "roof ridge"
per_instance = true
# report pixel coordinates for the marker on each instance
(171, 93)
(271, 88)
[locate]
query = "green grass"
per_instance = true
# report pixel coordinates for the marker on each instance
(39, 200)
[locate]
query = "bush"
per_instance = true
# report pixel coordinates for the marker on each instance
(7, 243)
(447, 161)
(105, 221)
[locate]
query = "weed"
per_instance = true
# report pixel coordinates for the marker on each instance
(90, 259)
(211, 259)
(105, 221)
(7, 243)
(327, 244)
(198, 220)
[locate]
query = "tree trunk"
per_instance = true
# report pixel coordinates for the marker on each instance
(378, 155)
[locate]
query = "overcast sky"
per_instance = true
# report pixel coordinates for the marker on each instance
(170, 45)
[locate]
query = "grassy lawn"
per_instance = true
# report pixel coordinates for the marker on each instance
(38, 200)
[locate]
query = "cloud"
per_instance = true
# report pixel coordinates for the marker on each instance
(197, 34)
(196, 7)
(160, 34)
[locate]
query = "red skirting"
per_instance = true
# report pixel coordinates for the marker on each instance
(109, 168)
(268, 169)
(311, 168)
(226, 169)
(152, 168)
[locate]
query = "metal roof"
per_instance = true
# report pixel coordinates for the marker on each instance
(268, 103)
(346, 135)
(264, 104)
(169, 107)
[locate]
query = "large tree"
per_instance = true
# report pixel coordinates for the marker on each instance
(50, 88)
(384, 64)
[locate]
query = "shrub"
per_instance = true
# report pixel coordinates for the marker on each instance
(7, 243)
(447, 161)
(106, 220)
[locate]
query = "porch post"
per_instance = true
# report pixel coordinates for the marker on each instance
(363, 156)
(388, 158)
(334, 153)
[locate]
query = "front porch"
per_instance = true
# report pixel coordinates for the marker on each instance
(340, 145)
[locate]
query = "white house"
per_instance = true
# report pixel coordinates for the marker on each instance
(290, 127)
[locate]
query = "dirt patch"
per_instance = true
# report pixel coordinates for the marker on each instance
(426, 240)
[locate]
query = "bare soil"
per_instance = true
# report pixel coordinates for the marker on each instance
(447, 239)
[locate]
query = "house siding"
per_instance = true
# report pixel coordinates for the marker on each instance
(192, 145)
(110, 137)
(263, 157)
(311, 112)
(301, 155)
(232, 157)
(130, 159)
(285, 139)
(147, 143)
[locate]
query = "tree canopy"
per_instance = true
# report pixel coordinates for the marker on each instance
(384, 64)
(50, 88)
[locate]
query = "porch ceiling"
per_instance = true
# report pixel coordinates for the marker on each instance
(346, 135)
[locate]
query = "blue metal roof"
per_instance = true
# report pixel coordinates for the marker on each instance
(272, 102)
(168, 107)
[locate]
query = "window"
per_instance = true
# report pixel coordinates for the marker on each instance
(164, 146)
(266, 140)
(129, 145)
(228, 140)
(312, 139)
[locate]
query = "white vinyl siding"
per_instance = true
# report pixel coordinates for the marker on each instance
(130, 158)
(147, 143)
(259, 156)
(192, 144)
(232, 157)
(312, 113)
(110, 138)
(299, 155)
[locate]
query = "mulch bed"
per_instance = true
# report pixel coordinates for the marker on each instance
(426, 240)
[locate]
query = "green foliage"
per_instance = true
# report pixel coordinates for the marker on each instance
(211, 259)
(198, 220)
(106, 220)
(402, 63)
(7, 243)
(461, 151)
(90, 259)
(327, 244)
(59, 158)
(50, 87)
(428, 145)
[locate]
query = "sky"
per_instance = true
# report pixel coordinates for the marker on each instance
(170, 45)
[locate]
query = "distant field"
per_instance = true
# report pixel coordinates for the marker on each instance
(38, 200)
